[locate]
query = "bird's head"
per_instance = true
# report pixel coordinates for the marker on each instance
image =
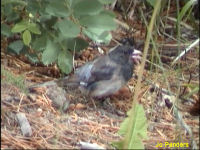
(125, 54)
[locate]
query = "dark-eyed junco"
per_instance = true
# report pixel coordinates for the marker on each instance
(106, 74)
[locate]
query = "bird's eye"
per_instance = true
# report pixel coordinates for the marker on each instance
(125, 52)
(128, 51)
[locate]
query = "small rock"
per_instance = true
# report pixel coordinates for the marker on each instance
(86, 145)
(24, 124)
(80, 106)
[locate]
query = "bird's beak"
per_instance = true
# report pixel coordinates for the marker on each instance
(136, 56)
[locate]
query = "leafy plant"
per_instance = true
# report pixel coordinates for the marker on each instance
(137, 130)
(189, 5)
(53, 29)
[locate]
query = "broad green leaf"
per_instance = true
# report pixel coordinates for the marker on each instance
(76, 44)
(10, 13)
(100, 21)
(32, 57)
(19, 27)
(13, 17)
(73, 3)
(34, 28)
(50, 54)
(45, 18)
(98, 35)
(16, 46)
(20, 2)
(105, 37)
(68, 28)
(137, 129)
(106, 1)
(59, 38)
(35, 6)
(87, 7)
(39, 44)
(109, 13)
(26, 37)
(5, 30)
(7, 9)
(47, 22)
(57, 8)
(65, 61)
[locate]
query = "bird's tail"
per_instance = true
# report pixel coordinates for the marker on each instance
(72, 81)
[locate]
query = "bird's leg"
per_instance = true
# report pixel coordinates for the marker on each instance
(107, 104)
(93, 102)
(88, 99)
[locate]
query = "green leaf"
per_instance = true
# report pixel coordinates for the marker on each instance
(76, 43)
(10, 13)
(5, 30)
(194, 91)
(32, 57)
(135, 126)
(36, 6)
(47, 18)
(109, 13)
(98, 35)
(50, 54)
(68, 28)
(185, 8)
(13, 17)
(34, 28)
(73, 3)
(100, 21)
(19, 27)
(87, 7)
(65, 61)
(105, 37)
(106, 1)
(39, 44)
(7, 9)
(57, 8)
(26, 37)
(16, 46)
(19, 2)
(151, 2)
(59, 38)
(33, 7)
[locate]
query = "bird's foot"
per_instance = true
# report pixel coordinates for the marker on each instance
(94, 103)
(107, 104)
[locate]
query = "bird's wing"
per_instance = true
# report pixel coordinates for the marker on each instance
(99, 69)
(105, 87)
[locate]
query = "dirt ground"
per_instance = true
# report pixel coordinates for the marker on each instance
(81, 121)
(53, 128)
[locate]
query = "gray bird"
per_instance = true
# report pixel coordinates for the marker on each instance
(106, 74)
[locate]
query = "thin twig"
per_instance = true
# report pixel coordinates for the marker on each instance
(186, 50)
(182, 23)
(20, 102)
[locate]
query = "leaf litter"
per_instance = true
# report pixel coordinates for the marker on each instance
(52, 128)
